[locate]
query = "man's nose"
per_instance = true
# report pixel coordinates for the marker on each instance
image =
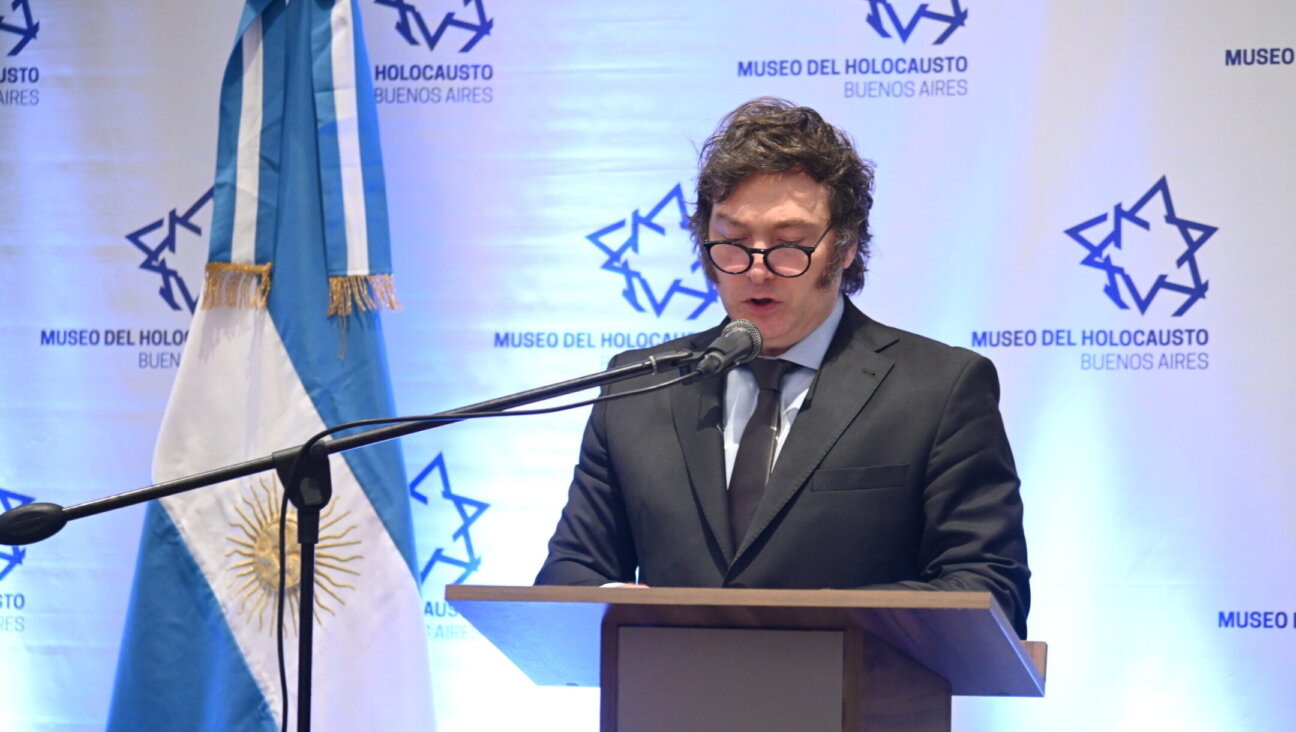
(759, 271)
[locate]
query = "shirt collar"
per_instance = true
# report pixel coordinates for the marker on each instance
(809, 351)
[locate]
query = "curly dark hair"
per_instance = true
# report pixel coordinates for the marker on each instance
(770, 135)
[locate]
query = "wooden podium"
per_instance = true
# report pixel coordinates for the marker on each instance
(679, 659)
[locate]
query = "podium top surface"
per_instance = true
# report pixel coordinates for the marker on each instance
(553, 633)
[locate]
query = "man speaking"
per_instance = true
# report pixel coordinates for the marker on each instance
(849, 455)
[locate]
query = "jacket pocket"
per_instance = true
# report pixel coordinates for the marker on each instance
(860, 479)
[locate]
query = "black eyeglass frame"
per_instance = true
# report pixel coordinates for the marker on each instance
(752, 252)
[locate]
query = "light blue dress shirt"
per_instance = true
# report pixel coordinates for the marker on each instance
(740, 387)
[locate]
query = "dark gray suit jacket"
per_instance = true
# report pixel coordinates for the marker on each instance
(896, 473)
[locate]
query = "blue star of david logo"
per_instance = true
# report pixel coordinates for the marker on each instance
(469, 510)
(1119, 282)
(953, 20)
(411, 17)
(15, 556)
(173, 291)
(638, 291)
(26, 32)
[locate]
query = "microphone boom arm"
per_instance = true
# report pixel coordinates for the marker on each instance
(35, 522)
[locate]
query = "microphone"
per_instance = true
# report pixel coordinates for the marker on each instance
(739, 342)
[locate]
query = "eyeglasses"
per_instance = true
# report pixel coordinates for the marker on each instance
(784, 260)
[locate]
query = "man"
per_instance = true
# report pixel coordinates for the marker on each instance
(889, 466)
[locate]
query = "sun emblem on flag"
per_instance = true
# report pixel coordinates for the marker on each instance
(255, 570)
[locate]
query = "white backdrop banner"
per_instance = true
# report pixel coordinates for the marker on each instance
(1096, 195)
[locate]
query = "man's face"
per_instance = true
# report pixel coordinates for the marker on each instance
(763, 211)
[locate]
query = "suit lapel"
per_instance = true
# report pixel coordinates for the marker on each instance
(851, 372)
(697, 411)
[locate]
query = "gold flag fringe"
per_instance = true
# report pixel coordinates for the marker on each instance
(361, 292)
(233, 285)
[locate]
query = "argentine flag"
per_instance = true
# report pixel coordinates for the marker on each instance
(286, 342)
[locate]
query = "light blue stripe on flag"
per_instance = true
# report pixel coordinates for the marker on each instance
(178, 648)
(264, 15)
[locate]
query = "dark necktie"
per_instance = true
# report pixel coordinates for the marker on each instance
(755, 455)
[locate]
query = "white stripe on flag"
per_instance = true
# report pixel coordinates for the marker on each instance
(348, 136)
(247, 176)
(370, 671)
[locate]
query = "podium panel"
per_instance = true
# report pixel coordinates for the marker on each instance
(708, 658)
(679, 679)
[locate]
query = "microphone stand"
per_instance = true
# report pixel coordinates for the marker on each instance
(304, 473)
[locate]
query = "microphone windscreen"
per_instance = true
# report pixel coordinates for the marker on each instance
(748, 329)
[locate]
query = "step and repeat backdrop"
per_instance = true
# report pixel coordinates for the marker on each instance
(1096, 195)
